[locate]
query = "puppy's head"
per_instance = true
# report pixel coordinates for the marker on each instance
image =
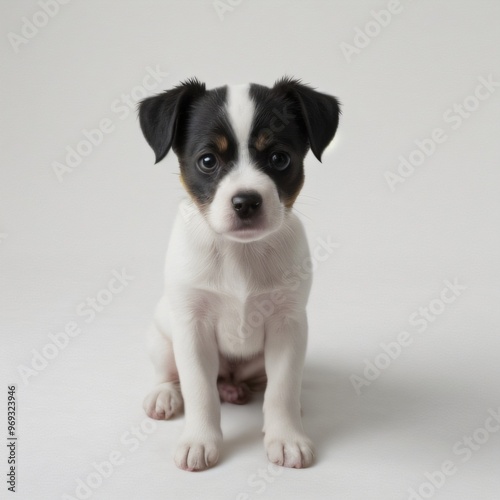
(241, 148)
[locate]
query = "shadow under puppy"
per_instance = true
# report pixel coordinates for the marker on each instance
(229, 320)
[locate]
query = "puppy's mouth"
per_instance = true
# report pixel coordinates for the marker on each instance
(246, 215)
(247, 230)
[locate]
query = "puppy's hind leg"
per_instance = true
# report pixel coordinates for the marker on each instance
(165, 400)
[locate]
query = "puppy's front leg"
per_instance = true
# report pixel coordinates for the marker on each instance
(285, 345)
(196, 355)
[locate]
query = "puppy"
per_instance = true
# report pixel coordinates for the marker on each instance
(231, 321)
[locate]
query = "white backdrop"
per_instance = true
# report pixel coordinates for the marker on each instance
(407, 201)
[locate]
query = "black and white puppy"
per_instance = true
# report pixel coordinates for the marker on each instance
(229, 322)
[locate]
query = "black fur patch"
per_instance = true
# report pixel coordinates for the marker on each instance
(278, 119)
(207, 122)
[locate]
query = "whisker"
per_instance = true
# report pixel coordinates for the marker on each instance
(301, 213)
(302, 202)
(311, 197)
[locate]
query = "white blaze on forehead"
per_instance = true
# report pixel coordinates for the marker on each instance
(240, 110)
(245, 176)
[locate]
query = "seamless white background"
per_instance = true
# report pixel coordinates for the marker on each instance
(62, 237)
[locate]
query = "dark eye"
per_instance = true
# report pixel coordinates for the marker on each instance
(207, 163)
(279, 160)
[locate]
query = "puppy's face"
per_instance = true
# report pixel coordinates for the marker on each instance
(241, 148)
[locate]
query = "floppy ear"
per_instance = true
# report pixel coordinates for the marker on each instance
(320, 112)
(160, 115)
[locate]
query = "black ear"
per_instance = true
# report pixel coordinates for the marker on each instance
(160, 115)
(320, 112)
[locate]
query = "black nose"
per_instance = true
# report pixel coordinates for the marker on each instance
(247, 204)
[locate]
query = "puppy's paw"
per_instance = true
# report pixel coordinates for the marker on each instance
(164, 401)
(295, 450)
(197, 454)
(237, 394)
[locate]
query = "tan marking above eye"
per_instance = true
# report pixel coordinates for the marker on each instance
(262, 141)
(221, 143)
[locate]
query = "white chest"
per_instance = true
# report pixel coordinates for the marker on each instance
(235, 288)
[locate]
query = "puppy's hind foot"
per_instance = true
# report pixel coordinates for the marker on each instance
(235, 393)
(164, 401)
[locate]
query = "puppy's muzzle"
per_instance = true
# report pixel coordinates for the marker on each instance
(247, 204)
